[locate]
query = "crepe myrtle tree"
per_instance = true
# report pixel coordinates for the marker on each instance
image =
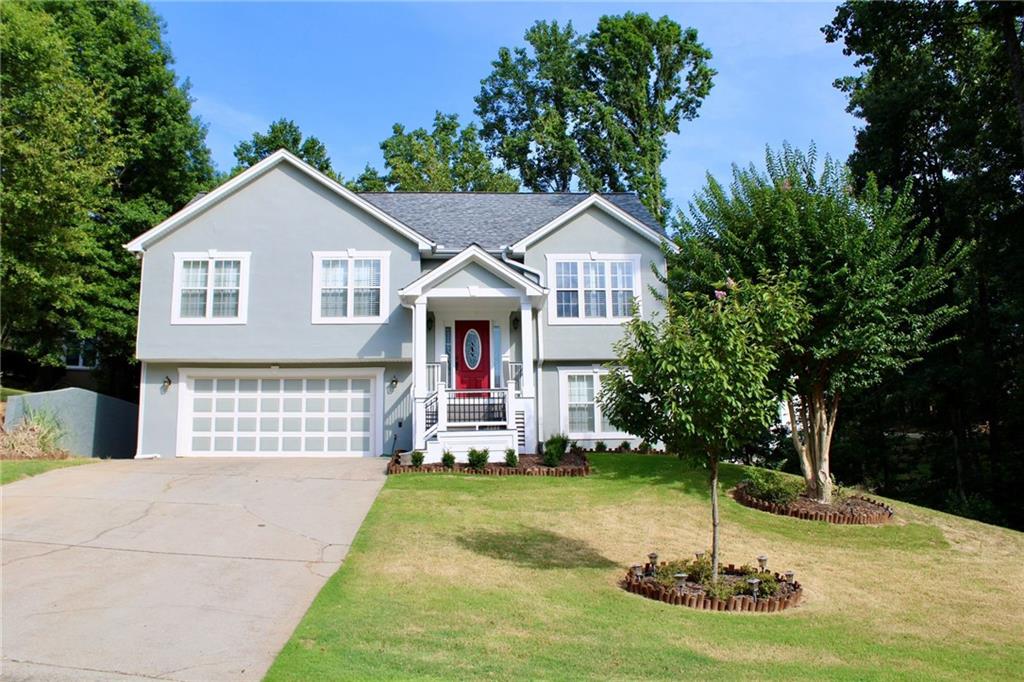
(699, 379)
(874, 282)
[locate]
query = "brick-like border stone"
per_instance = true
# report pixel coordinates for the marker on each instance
(670, 595)
(396, 467)
(883, 515)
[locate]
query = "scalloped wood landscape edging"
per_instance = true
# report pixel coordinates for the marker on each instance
(396, 467)
(670, 595)
(883, 515)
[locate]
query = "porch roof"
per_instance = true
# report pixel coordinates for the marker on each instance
(431, 283)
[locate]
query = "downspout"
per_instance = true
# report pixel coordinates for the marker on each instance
(522, 266)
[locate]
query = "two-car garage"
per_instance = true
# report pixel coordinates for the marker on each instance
(280, 413)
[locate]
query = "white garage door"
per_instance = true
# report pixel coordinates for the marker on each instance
(279, 415)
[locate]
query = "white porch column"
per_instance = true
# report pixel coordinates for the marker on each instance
(419, 372)
(526, 340)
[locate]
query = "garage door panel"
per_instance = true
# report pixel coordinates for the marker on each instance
(312, 415)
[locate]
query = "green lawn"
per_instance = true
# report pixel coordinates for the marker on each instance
(455, 577)
(5, 393)
(14, 469)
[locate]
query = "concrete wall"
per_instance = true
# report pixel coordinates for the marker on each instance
(159, 412)
(94, 425)
(593, 230)
(281, 219)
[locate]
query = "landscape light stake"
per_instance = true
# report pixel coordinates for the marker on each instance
(762, 561)
(789, 576)
(680, 580)
(638, 571)
(699, 555)
(653, 556)
(754, 582)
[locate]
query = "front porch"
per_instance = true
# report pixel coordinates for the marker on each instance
(473, 357)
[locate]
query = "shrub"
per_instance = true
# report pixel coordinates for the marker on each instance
(36, 437)
(448, 460)
(696, 570)
(478, 458)
(600, 446)
(511, 458)
(554, 449)
(723, 589)
(417, 458)
(644, 446)
(624, 446)
(771, 486)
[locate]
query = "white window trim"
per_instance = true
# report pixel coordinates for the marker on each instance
(608, 319)
(211, 256)
(188, 375)
(563, 405)
(350, 255)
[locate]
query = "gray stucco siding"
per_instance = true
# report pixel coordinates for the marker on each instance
(280, 219)
(593, 231)
(472, 275)
(158, 414)
(551, 410)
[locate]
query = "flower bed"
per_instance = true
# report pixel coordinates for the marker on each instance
(648, 581)
(573, 464)
(853, 510)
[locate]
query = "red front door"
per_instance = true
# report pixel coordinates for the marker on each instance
(472, 354)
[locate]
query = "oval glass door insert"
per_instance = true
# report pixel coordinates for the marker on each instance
(471, 349)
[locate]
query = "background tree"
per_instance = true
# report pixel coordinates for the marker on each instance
(59, 152)
(699, 381)
(869, 275)
(117, 49)
(444, 159)
(595, 108)
(938, 96)
(283, 134)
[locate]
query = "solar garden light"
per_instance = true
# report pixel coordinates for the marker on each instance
(699, 555)
(653, 556)
(789, 576)
(754, 582)
(762, 561)
(680, 580)
(638, 570)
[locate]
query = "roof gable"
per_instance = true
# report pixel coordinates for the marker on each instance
(229, 188)
(593, 201)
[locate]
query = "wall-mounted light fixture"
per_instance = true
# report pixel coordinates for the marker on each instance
(394, 382)
(166, 385)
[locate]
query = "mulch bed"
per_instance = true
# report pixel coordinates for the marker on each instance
(573, 464)
(853, 510)
(692, 595)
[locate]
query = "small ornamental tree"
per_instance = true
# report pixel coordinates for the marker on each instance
(699, 380)
(871, 278)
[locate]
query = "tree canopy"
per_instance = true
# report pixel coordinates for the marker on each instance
(597, 108)
(115, 51)
(282, 134)
(871, 277)
(700, 380)
(940, 93)
(446, 158)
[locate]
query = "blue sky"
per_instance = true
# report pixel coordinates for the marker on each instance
(346, 72)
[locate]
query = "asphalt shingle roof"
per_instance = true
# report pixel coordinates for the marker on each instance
(454, 220)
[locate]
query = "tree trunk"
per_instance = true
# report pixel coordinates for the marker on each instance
(1007, 26)
(713, 463)
(812, 420)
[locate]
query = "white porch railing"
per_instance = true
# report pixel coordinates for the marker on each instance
(434, 376)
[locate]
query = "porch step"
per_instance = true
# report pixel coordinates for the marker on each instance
(459, 442)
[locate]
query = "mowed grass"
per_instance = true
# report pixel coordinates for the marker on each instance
(456, 577)
(15, 469)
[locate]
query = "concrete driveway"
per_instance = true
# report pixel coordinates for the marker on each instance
(186, 569)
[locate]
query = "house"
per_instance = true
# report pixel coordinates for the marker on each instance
(282, 314)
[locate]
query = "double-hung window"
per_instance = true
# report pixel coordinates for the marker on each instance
(581, 415)
(593, 288)
(349, 286)
(210, 287)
